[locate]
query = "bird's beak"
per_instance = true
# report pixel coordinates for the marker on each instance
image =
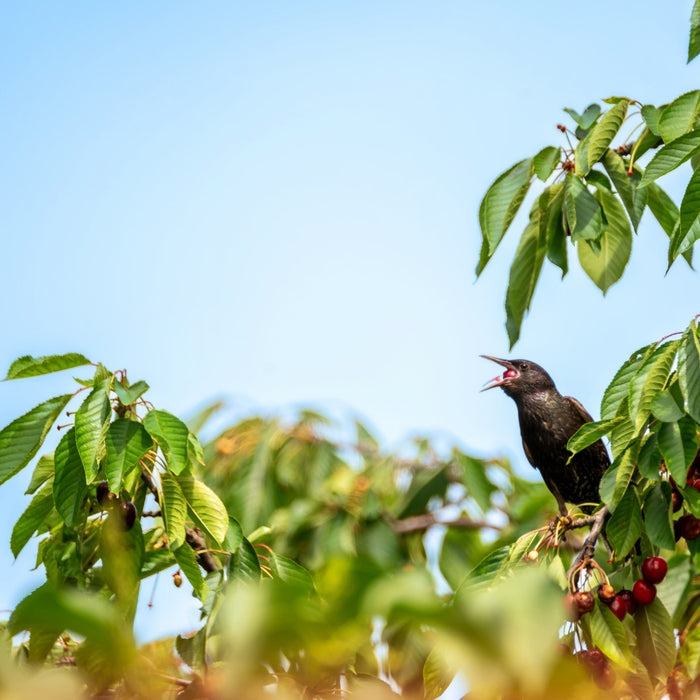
(498, 381)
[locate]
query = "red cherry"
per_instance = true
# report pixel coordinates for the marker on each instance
(643, 592)
(509, 373)
(696, 484)
(630, 602)
(688, 526)
(676, 500)
(572, 612)
(593, 658)
(618, 606)
(605, 678)
(654, 569)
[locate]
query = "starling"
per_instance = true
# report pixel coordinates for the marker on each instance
(547, 421)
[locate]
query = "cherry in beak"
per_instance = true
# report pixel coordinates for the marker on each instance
(510, 373)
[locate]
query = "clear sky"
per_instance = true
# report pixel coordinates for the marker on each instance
(276, 202)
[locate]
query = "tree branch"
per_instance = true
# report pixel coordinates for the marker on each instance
(588, 548)
(417, 523)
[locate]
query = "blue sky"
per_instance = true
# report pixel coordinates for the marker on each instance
(277, 203)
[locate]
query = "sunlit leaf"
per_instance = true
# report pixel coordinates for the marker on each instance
(244, 565)
(545, 162)
(655, 639)
(649, 380)
(602, 134)
(31, 520)
(130, 393)
(605, 266)
(616, 479)
(589, 433)
(206, 507)
(174, 508)
(171, 434)
(609, 636)
(671, 156)
(651, 116)
(689, 372)
(657, 516)
(187, 561)
(680, 116)
(585, 120)
(291, 573)
(690, 651)
(91, 425)
(694, 40)
(500, 205)
(21, 439)
(43, 471)
(618, 389)
(689, 227)
(70, 487)
(127, 442)
(678, 445)
(29, 366)
(665, 408)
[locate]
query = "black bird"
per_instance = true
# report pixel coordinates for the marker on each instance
(547, 421)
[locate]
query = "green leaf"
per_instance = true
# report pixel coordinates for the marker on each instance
(43, 471)
(633, 198)
(651, 116)
(585, 120)
(680, 117)
(291, 573)
(589, 433)
(615, 481)
(436, 675)
(671, 156)
(655, 639)
(187, 561)
(602, 134)
(650, 458)
(609, 636)
(21, 439)
(545, 162)
(694, 40)
(524, 273)
(689, 227)
(206, 507)
(174, 508)
(605, 267)
(234, 535)
(91, 425)
(500, 205)
(689, 372)
(583, 214)
(244, 565)
(31, 520)
(486, 571)
(657, 516)
(29, 366)
(192, 649)
(70, 487)
(551, 204)
(678, 446)
(474, 479)
(625, 525)
(598, 179)
(130, 393)
(663, 208)
(649, 380)
(665, 408)
(127, 442)
(618, 389)
(171, 434)
(690, 651)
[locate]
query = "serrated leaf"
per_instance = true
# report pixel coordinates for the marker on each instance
(650, 458)
(545, 162)
(673, 590)
(126, 443)
(680, 116)
(174, 508)
(69, 487)
(234, 535)
(524, 273)
(598, 179)
(689, 372)
(655, 639)
(609, 636)
(694, 39)
(663, 208)
(616, 479)
(551, 204)
(21, 439)
(486, 571)
(671, 156)
(657, 516)
(244, 565)
(187, 561)
(603, 132)
(649, 380)
(91, 425)
(678, 445)
(172, 435)
(585, 120)
(625, 525)
(605, 266)
(688, 230)
(206, 507)
(130, 393)
(632, 197)
(618, 389)
(32, 519)
(291, 573)
(43, 471)
(665, 408)
(582, 211)
(651, 116)
(500, 205)
(29, 366)
(589, 433)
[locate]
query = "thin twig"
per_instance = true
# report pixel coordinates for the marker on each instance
(588, 548)
(423, 522)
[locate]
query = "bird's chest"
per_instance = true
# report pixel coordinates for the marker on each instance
(546, 426)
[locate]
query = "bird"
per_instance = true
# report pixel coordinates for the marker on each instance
(547, 421)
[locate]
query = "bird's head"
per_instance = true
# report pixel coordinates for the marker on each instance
(520, 378)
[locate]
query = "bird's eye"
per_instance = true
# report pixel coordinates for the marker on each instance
(523, 366)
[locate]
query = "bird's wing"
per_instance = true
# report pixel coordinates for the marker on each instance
(578, 407)
(528, 455)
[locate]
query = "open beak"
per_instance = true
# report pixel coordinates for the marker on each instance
(498, 381)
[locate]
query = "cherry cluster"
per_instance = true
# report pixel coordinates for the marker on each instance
(686, 526)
